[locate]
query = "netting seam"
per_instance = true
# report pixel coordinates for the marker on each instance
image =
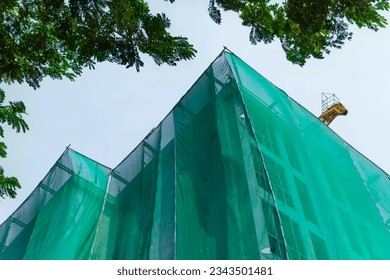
(100, 216)
(258, 149)
(347, 147)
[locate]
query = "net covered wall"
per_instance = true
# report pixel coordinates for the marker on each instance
(333, 203)
(237, 170)
(58, 220)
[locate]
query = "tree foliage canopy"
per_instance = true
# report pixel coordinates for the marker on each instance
(11, 114)
(306, 28)
(58, 38)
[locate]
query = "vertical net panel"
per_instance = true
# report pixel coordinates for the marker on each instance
(138, 218)
(136, 205)
(350, 220)
(220, 208)
(66, 224)
(137, 201)
(16, 232)
(163, 245)
(200, 186)
(278, 142)
(328, 206)
(104, 244)
(377, 183)
(129, 204)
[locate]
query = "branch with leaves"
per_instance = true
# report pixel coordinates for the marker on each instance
(305, 28)
(59, 38)
(12, 115)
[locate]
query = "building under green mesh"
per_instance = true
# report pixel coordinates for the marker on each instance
(237, 170)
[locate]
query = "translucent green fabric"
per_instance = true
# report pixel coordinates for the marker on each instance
(237, 170)
(59, 219)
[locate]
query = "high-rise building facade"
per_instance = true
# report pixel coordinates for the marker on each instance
(237, 170)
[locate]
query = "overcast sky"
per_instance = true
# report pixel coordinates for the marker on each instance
(105, 113)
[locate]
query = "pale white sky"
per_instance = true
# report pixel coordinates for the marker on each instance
(108, 111)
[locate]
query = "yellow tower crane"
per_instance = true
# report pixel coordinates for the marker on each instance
(331, 108)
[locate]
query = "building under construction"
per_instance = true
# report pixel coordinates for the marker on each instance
(237, 170)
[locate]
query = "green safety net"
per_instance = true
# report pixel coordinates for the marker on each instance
(59, 218)
(237, 170)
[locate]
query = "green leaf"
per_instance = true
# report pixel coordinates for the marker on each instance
(8, 185)
(3, 148)
(306, 28)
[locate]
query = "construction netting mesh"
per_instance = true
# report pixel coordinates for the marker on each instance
(237, 170)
